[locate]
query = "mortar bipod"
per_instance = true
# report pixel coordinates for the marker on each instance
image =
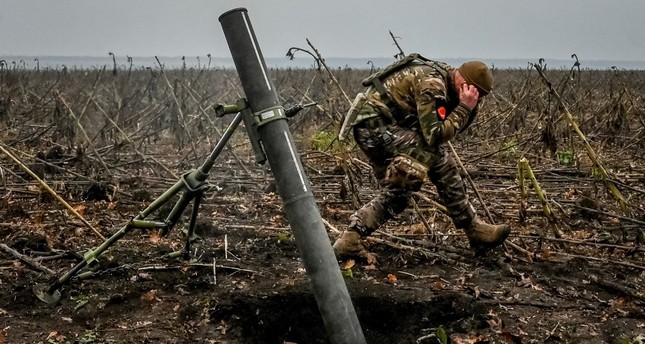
(192, 185)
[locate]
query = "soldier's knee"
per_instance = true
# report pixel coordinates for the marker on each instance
(406, 172)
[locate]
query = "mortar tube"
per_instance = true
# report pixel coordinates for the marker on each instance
(318, 257)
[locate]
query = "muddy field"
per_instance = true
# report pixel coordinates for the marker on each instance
(107, 142)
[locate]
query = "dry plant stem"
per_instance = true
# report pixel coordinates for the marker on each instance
(637, 294)
(524, 167)
(601, 260)
(490, 217)
(423, 219)
(204, 265)
(533, 237)
(52, 192)
(590, 152)
(2, 177)
(630, 98)
(78, 123)
(423, 251)
(214, 271)
(424, 243)
(228, 146)
(78, 175)
(510, 112)
(529, 256)
(585, 243)
(91, 94)
(57, 168)
(331, 75)
(181, 113)
(345, 157)
(26, 260)
(307, 90)
(225, 267)
(138, 136)
(429, 200)
(401, 54)
(309, 99)
(517, 248)
(251, 227)
(331, 227)
(629, 187)
(642, 223)
(471, 182)
(520, 182)
(116, 126)
(514, 246)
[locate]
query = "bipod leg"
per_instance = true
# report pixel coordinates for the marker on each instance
(190, 233)
(206, 166)
(191, 225)
(176, 212)
(51, 294)
(195, 181)
(194, 185)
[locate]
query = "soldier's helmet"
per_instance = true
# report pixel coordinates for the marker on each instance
(478, 74)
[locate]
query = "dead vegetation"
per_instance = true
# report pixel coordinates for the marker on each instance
(106, 143)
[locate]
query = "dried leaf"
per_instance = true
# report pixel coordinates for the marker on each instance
(546, 253)
(371, 258)
(463, 339)
(392, 278)
(38, 219)
(436, 286)
(349, 264)
(150, 296)
(495, 324)
(80, 209)
(223, 328)
(140, 324)
(511, 338)
(155, 237)
(54, 336)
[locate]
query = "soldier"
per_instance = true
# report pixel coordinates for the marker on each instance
(403, 123)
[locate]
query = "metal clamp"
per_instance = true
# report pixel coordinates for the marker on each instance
(265, 116)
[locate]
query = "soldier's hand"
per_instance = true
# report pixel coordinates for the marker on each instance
(469, 95)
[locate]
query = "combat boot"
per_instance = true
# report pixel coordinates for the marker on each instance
(484, 235)
(350, 245)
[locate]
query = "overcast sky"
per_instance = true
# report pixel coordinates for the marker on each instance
(592, 29)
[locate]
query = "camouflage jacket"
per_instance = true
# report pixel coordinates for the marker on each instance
(427, 93)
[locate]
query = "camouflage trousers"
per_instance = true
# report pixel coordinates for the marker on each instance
(401, 159)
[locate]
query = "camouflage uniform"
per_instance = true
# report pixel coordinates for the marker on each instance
(403, 151)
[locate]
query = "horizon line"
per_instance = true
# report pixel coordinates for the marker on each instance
(329, 57)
